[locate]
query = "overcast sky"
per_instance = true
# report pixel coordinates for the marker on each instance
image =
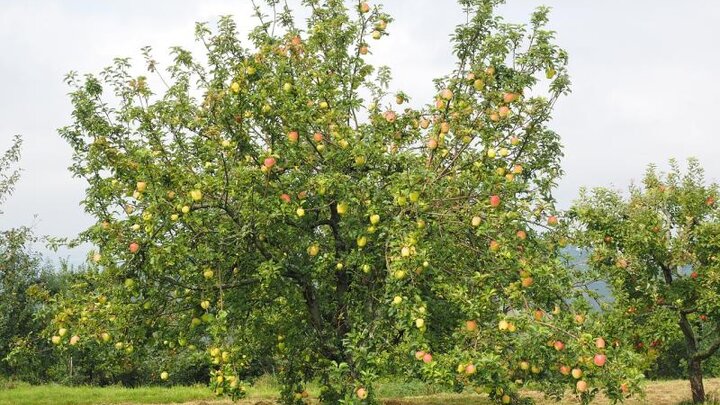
(643, 72)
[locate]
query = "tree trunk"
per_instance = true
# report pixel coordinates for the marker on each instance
(696, 380)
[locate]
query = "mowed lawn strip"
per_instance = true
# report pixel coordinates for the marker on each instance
(658, 393)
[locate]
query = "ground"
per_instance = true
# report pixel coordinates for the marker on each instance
(658, 393)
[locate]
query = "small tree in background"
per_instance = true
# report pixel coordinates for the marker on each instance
(659, 250)
(278, 202)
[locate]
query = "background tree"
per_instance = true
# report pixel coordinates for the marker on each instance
(278, 202)
(659, 250)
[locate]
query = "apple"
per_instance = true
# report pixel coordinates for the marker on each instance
(134, 247)
(521, 234)
(342, 208)
(600, 343)
(446, 94)
(506, 399)
(55, 340)
(185, 209)
(527, 282)
(599, 360)
(293, 136)
(581, 386)
(269, 162)
(491, 153)
(510, 97)
(376, 34)
(494, 245)
(503, 325)
(503, 111)
(313, 249)
(564, 370)
(475, 221)
(105, 337)
(360, 160)
(471, 326)
(419, 323)
(576, 373)
(479, 84)
(405, 251)
(196, 195)
(579, 319)
(514, 140)
(419, 354)
(524, 365)
(361, 393)
(538, 315)
(318, 137)
(141, 186)
(235, 87)
(390, 116)
(432, 144)
(361, 241)
(285, 197)
(535, 369)
(558, 345)
(397, 300)
(427, 358)
(694, 275)
(208, 274)
(164, 375)
(552, 220)
(424, 124)
(174, 217)
(710, 201)
(74, 340)
(494, 200)
(470, 369)
(624, 388)
(374, 219)
(205, 304)
(300, 212)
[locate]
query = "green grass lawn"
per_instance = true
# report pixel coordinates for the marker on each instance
(264, 392)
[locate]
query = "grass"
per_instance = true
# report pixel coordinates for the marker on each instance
(265, 391)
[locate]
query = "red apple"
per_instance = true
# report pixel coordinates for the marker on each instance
(471, 326)
(293, 136)
(521, 234)
(558, 345)
(600, 343)
(432, 143)
(565, 370)
(581, 386)
(552, 220)
(427, 358)
(710, 201)
(599, 359)
(318, 137)
(494, 200)
(134, 247)
(362, 393)
(694, 275)
(285, 197)
(494, 245)
(470, 369)
(419, 354)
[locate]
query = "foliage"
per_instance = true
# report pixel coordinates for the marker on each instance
(273, 208)
(659, 250)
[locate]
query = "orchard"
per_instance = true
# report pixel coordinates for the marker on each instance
(273, 203)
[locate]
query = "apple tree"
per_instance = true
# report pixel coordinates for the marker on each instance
(277, 206)
(659, 250)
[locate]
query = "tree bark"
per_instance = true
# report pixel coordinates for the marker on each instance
(696, 380)
(694, 362)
